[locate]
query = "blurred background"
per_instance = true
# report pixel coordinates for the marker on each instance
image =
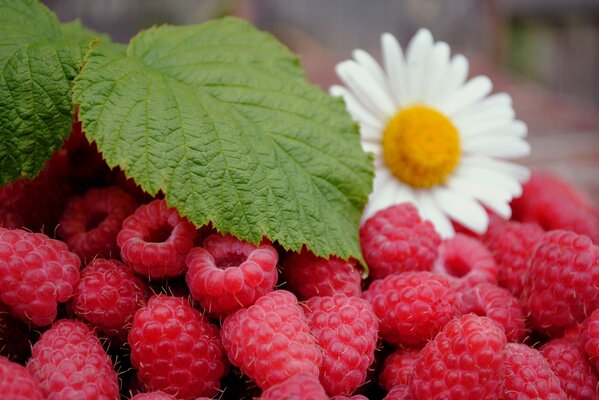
(545, 53)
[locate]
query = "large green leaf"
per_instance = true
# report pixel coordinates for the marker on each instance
(38, 62)
(221, 119)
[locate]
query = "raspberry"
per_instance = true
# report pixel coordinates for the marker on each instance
(528, 375)
(511, 244)
(499, 305)
(154, 396)
(302, 386)
(68, 362)
(270, 341)
(589, 337)
(412, 306)
(175, 349)
(308, 275)
(397, 368)
(396, 239)
(562, 281)
(108, 295)
(227, 274)
(399, 392)
(463, 362)
(90, 224)
(10, 220)
(346, 329)
(36, 272)
(574, 371)
(155, 240)
(555, 204)
(16, 382)
(466, 261)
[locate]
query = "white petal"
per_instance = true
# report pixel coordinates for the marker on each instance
(395, 67)
(483, 175)
(497, 104)
(374, 148)
(474, 90)
(367, 90)
(357, 110)
(463, 209)
(417, 56)
(495, 199)
(519, 172)
(455, 78)
(438, 65)
(497, 146)
(370, 133)
(375, 70)
(515, 128)
(429, 210)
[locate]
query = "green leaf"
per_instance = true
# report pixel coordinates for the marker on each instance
(74, 30)
(39, 59)
(220, 118)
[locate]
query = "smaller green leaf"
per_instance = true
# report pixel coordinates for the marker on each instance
(74, 30)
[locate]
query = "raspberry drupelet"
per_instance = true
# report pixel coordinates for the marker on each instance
(308, 275)
(155, 241)
(36, 273)
(227, 274)
(91, 223)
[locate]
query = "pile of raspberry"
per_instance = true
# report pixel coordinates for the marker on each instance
(113, 294)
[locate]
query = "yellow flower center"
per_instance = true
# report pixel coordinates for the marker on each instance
(421, 146)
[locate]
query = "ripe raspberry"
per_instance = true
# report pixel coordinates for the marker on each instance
(555, 204)
(108, 295)
(302, 386)
(528, 375)
(397, 368)
(463, 362)
(511, 244)
(399, 392)
(154, 396)
(68, 362)
(466, 262)
(16, 382)
(36, 272)
(155, 240)
(589, 338)
(499, 305)
(271, 341)
(10, 220)
(396, 239)
(346, 329)
(227, 274)
(574, 371)
(90, 224)
(412, 306)
(562, 281)
(308, 275)
(175, 349)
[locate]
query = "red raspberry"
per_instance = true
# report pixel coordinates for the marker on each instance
(397, 368)
(346, 329)
(36, 272)
(227, 274)
(90, 224)
(308, 275)
(16, 382)
(562, 281)
(574, 371)
(155, 240)
(68, 362)
(555, 204)
(589, 337)
(396, 239)
(499, 305)
(108, 295)
(412, 306)
(155, 396)
(10, 220)
(175, 349)
(466, 262)
(528, 375)
(303, 386)
(271, 341)
(511, 244)
(399, 392)
(463, 362)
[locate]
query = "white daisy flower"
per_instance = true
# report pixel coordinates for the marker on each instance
(438, 139)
